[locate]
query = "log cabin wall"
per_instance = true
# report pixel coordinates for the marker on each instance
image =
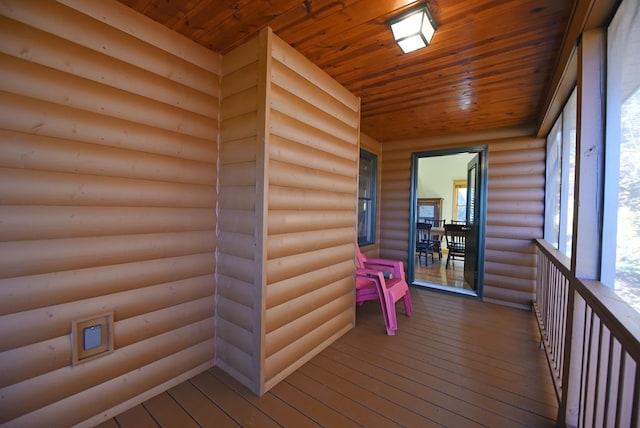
(108, 148)
(239, 252)
(515, 216)
(515, 208)
(311, 199)
(288, 185)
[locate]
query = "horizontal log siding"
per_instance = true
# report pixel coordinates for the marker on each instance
(311, 218)
(515, 210)
(515, 216)
(108, 149)
(238, 253)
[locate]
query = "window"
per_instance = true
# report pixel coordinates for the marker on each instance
(621, 224)
(560, 178)
(460, 200)
(429, 210)
(367, 198)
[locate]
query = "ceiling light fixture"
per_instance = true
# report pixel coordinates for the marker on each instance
(413, 29)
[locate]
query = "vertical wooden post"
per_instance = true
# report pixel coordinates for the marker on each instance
(262, 190)
(569, 409)
(587, 226)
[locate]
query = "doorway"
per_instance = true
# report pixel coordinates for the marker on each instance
(448, 212)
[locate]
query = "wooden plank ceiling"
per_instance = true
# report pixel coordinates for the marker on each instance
(488, 66)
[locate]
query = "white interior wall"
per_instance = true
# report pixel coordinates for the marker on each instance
(436, 176)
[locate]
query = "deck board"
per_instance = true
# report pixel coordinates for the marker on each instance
(308, 404)
(136, 417)
(110, 423)
(397, 391)
(456, 393)
(205, 412)
(455, 362)
(280, 410)
(167, 412)
(232, 403)
(341, 400)
(446, 397)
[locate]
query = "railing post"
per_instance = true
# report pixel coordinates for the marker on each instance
(587, 217)
(569, 409)
(587, 226)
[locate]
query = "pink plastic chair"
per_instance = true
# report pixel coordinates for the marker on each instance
(383, 280)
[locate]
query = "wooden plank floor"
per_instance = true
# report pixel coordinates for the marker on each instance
(454, 362)
(436, 272)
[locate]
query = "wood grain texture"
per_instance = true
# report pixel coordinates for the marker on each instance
(238, 290)
(24, 77)
(311, 202)
(128, 21)
(47, 355)
(73, 25)
(488, 65)
(433, 372)
(144, 384)
(37, 291)
(62, 155)
(146, 147)
(27, 115)
(108, 154)
(65, 382)
(65, 56)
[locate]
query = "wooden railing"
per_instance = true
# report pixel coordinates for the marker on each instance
(551, 307)
(592, 341)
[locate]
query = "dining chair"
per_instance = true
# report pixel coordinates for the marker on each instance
(435, 237)
(455, 235)
(382, 280)
(423, 242)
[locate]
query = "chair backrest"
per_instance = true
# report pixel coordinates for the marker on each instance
(360, 258)
(455, 235)
(423, 231)
(435, 223)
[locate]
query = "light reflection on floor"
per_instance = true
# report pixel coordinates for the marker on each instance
(436, 273)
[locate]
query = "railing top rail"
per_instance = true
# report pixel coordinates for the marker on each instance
(561, 261)
(620, 318)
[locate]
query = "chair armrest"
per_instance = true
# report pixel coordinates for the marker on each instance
(372, 274)
(395, 267)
